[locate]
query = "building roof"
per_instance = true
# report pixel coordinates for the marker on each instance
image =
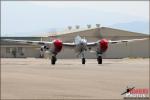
(105, 31)
(19, 38)
(102, 32)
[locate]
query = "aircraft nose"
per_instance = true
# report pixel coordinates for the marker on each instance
(82, 43)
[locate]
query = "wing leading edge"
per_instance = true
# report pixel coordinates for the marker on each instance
(28, 42)
(121, 41)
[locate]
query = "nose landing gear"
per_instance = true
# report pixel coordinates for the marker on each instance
(53, 60)
(99, 59)
(83, 60)
(83, 57)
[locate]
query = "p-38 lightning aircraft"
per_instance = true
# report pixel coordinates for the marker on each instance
(80, 46)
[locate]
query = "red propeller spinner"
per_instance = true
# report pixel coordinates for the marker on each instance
(58, 45)
(103, 45)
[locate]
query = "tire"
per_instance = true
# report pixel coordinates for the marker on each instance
(83, 60)
(99, 60)
(53, 60)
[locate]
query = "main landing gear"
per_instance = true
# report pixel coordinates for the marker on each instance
(53, 60)
(83, 57)
(99, 59)
(83, 60)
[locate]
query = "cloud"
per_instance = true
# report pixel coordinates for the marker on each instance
(138, 9)
(31, 16)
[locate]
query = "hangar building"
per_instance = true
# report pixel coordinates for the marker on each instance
(121, 50)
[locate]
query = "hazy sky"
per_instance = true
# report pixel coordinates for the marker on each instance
(31, 17)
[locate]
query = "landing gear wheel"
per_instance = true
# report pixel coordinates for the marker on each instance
(99, 60)
(53, 60)
(83, 60)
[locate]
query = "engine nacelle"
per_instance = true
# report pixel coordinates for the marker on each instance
(44, 48)
(103, 45)
(57, 45)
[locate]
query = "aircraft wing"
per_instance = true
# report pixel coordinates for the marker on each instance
(92, 43)
(121, 41)
(69, 44)
(73, 44)
(27, 42)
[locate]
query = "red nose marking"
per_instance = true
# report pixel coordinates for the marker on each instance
(58, 45)
(103, 45)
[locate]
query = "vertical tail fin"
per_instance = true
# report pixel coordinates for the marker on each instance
(77, 39)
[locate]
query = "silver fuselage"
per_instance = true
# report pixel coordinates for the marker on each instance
(81, 45)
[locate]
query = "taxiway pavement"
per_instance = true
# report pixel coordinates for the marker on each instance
(37, 79)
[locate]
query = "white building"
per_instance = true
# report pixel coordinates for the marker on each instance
(122, 50)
